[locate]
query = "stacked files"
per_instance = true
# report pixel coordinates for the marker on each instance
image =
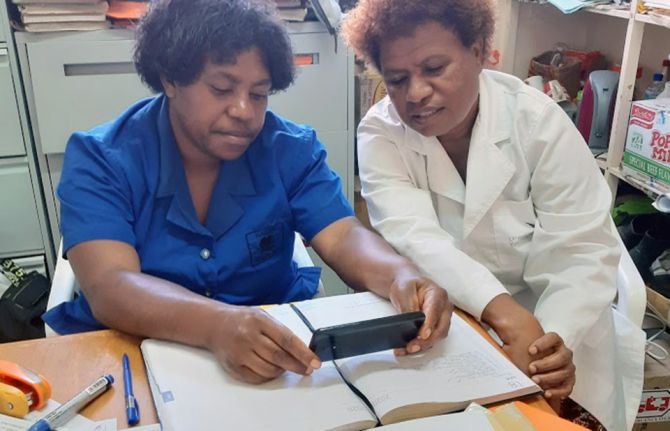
(292, 10)
(62, 15)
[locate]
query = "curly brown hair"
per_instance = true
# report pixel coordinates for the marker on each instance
(176, 37)
(371, 21)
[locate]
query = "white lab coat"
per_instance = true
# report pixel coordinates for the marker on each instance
(533, 221)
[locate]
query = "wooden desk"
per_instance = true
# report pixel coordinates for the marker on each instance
(536, 401)
(72, 362)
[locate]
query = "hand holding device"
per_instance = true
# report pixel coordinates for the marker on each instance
(367, 336)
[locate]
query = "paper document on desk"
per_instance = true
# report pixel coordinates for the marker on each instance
(470, 421)
(9, 423)
(191, 391)
(78, 422)
(152, 427)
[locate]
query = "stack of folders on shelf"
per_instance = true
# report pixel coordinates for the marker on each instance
(292, 10)
(191, 390)
(62, 15)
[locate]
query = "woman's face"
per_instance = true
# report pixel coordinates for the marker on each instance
(222, 112)
(433, 80)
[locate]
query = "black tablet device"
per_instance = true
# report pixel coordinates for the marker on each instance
(367, 336)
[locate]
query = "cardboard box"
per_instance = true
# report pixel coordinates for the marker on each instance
(654, 411)
(660, 303)
(647, 153)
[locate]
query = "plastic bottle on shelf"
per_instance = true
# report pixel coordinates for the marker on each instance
(666, 93)
(657, 86)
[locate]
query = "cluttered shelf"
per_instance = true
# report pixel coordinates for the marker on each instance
(610, 10)
(655, 19)
(618, 11)
(646, 187)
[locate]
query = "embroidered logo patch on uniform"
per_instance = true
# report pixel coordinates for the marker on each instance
(264, 243)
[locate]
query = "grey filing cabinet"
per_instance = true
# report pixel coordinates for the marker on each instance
(24, 230)
(74, 81)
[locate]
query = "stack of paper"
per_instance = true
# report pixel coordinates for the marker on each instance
(292, 10)
(62, 15)
(77, 423)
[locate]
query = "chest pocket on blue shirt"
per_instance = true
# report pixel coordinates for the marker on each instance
(265, 243)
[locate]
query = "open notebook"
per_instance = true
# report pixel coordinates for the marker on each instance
(191, 391)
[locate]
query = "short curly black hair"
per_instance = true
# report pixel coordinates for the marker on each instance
(372, 21)
(176, 37)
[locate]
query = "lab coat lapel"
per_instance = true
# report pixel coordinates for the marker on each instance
(489, 169)
(443, 178)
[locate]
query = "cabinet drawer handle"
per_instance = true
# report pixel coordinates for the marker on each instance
(88, 69)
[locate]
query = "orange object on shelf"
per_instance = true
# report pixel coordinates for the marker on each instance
(126, 10)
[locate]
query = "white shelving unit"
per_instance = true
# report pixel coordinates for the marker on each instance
(619, 33)
(609, 11)
(631, 56)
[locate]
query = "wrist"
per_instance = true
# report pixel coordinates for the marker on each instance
(507, 317)
(216, 318)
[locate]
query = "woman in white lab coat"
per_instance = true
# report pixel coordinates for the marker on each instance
(485, 183)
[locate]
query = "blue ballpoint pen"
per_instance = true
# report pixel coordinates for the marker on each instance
(67, 411)
(132, 409)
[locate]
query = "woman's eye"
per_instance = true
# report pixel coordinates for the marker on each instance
(221, 90)
(259, 96)
(395, 81)
(434, 70)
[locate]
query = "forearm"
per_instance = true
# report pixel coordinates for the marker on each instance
(363, 259)
(516, 327)
(506, 317)
(147, 306)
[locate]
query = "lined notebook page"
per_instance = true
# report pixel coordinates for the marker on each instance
(195, 393)
(462, 368)
(338, 310)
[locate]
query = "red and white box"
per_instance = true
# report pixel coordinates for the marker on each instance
(647, 154)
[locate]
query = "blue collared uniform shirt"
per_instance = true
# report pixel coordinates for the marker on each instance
(125, 181)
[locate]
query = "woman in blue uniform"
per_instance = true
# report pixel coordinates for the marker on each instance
(180, 214)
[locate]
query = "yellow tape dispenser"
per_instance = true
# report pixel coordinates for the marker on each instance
(21, 390)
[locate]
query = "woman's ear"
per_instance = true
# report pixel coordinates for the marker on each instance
(478, 51)
(168, 87)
